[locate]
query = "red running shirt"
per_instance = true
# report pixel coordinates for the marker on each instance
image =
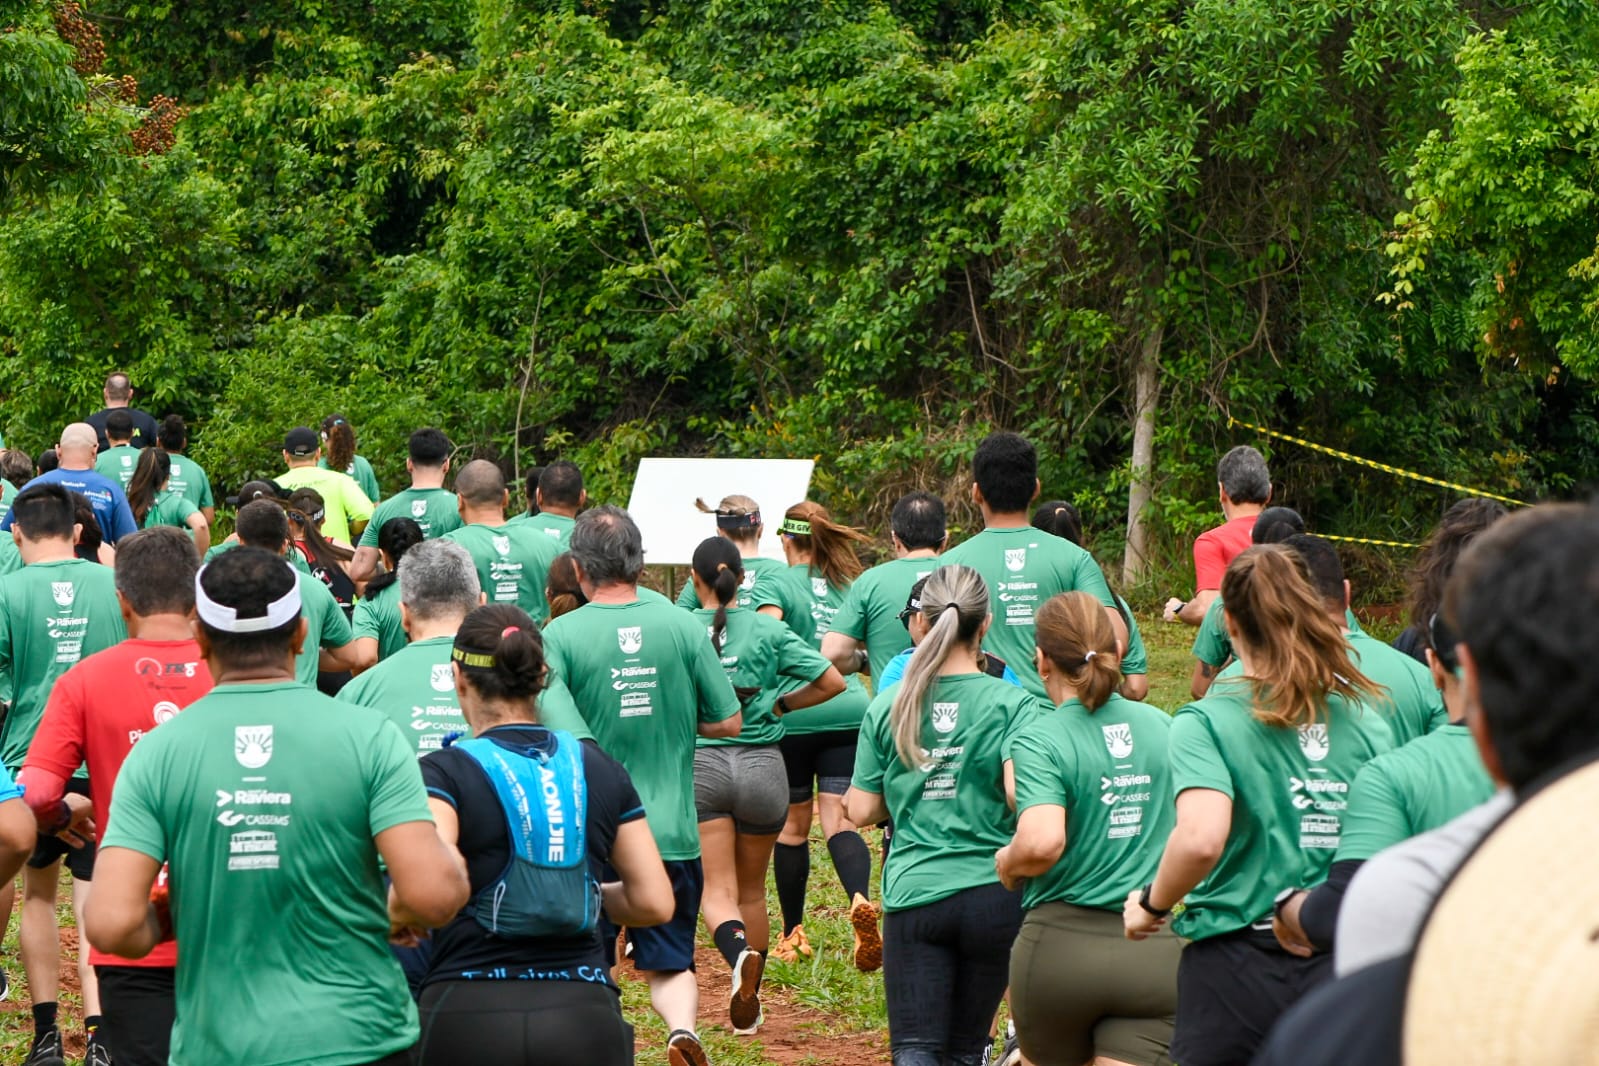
(97, 711)
(1215, 548)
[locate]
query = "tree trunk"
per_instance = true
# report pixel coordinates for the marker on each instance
(1146, 397)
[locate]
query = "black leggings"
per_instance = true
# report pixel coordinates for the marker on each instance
(945, 967)
(510, 1023)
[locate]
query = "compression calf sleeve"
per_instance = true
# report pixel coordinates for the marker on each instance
(791, 868)
(730, 941)
(853, 861)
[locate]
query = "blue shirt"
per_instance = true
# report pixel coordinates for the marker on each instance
(896, 670)
(110, 505)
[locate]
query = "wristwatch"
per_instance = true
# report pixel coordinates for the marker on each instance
(1143, 901)
(782, 706)
(1282, 900)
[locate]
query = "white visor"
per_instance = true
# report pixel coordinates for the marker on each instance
(280, 611)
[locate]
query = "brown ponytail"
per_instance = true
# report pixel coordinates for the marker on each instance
(1297, 653)
(1073, 633)
(341, 442)
(561, 588)
(831, 546)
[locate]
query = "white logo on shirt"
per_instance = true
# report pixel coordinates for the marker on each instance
(1015, 559)
(1119, 740)
(252, 745)
(748, 582)
(63, 592)
(502, 545)
(127, 460)
(945, 716)
(630, 639)
(443, 679)
(819, 587)
(164, 712)
(1314, 742)
(419, 508)
(224, 798)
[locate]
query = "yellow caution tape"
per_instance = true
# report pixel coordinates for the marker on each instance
(1384, 467)
(1368, 540)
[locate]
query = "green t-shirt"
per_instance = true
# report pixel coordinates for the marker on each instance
(295, 559)
(1136, 661)
(558, 527)
(762, 653)
(325, 626)
(10, 556)
(377, 615)
(1213, 647)
(343, 501)
(760, 588)
(871, 608)
(513, 563)
(1109, 770)
(644, 676)
(51, 615)
(435, 510)
(844, 711)
(1414, 706)
(1289, 787)
(1023, 568)
(416, 688)
(190, 479)
(277, 900)
(117, 464)
(8, 492)
(171, 508)
(1412, 790)
(950, 815)
(361, 471)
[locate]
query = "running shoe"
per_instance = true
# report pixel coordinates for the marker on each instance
(868, 940)
(683, 1048)
(96, 1054)
(5, 985)
(46, 1050)
(744, 1006)
(1011, 1055)
(792, 945)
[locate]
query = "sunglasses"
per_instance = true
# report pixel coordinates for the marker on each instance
(906, 615)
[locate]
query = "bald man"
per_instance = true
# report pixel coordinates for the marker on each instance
(513, 559)
(118, 393)
(75, 471)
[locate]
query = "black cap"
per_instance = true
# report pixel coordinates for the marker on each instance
(262, 489)
(913, 603)
(302, 441)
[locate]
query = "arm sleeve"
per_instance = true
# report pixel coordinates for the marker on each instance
(1196, 760)
(557, 710)
(1211, 645)
(437, 777)
(135, 821)
(1040, 776)
(395, 794)
(364, 621)
(1088, 577)
(871, 760)
(206, 499)
(1376, 816)
(1136, 661)
(369, 535)
(1209, 562)
(1318, 915)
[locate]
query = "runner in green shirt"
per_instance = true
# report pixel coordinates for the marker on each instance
(559, 497)
(1022, 566)
(1261, 768)
(8, 492)
(310, 795)
(1094, 809)
(512, 561)
(766, 581)
(647, 681)
(188, 477)
(116, 463)
(339, 436)
(866, 631)
(740, 795)
(427, 502)
(348, 507)
(55, 610)
(931, 756)
(154, 503)
(376, 625)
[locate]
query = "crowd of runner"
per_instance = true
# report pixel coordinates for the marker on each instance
(409, 778)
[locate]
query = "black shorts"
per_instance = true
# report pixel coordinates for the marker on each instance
(828, 759)
(138, 1005)
(51, 849)
(1230, 992)
(509, 1023)
(665, 948)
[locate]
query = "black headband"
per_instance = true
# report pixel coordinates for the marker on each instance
(729, 521)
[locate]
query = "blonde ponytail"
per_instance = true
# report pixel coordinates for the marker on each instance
(955, 602)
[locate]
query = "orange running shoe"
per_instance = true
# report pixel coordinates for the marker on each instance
(790, 946)
(868, 940)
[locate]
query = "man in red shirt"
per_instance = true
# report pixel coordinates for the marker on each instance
(97, 711)
(1244, 484)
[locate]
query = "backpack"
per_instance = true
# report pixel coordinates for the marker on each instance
(545, 889)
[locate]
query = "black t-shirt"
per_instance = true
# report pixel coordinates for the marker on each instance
(464, 949)
(144, 427)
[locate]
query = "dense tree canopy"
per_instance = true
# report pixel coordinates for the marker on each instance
(868, 230)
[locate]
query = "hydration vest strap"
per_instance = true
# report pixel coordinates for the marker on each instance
(544, 797)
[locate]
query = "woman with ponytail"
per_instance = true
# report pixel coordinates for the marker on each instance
(155, 503)
(562, 590)
(339, 437)
(932, 757)
(493, 998)
(740, 795)
(1261, 769)
(819, 748)
(764, 587)
(1093, 802)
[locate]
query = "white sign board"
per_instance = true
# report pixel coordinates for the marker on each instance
(664, 492)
